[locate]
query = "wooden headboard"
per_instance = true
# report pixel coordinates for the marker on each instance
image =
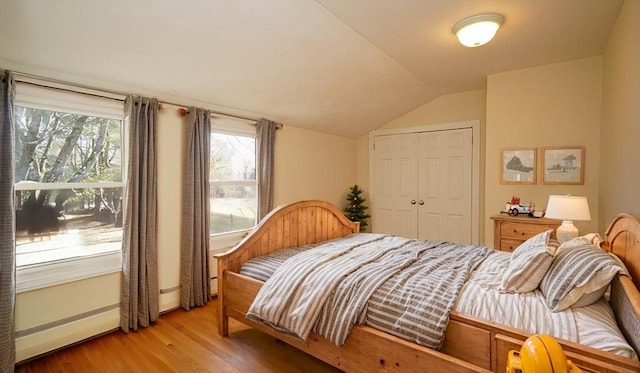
(295, 224)
(622, 238)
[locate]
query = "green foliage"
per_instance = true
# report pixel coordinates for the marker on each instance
(63, 147)
(355, 209)
(60, 147)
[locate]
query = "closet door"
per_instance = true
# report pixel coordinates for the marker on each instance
(396, 185)
(421, 185)
(444, 185)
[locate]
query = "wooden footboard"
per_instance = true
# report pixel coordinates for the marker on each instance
(471, 345)
(366, 349)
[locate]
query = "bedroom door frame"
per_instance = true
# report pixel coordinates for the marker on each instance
(474, 125)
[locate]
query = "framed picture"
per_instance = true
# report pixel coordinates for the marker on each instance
(563, 165)
(518, 166)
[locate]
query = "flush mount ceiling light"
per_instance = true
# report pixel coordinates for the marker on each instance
(477, 30)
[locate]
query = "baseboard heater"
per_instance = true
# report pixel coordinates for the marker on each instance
(42, 339)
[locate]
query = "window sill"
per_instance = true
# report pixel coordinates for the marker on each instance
(222, 241)
(38, 276)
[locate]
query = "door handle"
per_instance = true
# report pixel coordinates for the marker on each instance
(413, 201)
(421, 202)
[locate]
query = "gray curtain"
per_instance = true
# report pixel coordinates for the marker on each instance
(7, 229)
(194, 255)
(265, 138)
(139, 298)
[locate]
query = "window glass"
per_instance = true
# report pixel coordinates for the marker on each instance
(90, 223)
(233, 182)
(69, 184)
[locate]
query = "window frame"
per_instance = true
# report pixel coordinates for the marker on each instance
(56, 96)
(235, 127)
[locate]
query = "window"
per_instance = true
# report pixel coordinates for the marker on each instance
(233, 185)
(69, 182)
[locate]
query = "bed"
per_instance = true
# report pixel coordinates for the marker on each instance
(471, 344)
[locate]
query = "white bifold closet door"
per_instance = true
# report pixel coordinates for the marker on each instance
(422, 185)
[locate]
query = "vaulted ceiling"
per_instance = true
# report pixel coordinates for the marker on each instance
(343, 67)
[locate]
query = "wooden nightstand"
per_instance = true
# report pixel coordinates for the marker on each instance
(510, 231)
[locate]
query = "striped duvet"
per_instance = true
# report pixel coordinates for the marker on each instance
(593, 326)
(405, 287)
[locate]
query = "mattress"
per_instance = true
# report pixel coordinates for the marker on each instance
(592, 326)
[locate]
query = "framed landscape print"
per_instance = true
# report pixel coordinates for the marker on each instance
(563, 165)
(518, 166)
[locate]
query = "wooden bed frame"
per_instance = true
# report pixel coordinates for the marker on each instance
(471, 344)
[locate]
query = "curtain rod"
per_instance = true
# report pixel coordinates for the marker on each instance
(182, 112)
(118, 93)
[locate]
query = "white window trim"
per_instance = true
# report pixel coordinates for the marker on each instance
(233, 182)
(56, 96)
(38, 93)
(30, 185)
(235, 127)
(227, 240)
(42, 275)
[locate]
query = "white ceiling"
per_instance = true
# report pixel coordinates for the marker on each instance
(342, 67)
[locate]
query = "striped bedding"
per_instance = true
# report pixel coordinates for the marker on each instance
(592, 326)
(327, 288)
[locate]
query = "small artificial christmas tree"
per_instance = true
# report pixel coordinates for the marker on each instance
(355, 210)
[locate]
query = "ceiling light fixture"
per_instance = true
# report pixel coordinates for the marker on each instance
(477, 30)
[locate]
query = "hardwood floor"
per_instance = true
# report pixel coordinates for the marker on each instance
(180, 342)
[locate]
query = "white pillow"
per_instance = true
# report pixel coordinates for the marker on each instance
(579, 275)
(529, 263)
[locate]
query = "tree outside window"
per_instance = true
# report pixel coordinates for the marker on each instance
(69, 184)
(233, 183)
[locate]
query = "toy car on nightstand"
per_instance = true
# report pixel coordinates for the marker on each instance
(514, 209)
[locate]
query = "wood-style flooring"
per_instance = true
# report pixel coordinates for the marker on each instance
(180, 342)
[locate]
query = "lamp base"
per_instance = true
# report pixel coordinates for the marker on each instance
(566, 231)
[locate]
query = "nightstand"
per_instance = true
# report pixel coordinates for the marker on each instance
(510, 231)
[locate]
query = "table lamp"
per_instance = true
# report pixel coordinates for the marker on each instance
(567, 208)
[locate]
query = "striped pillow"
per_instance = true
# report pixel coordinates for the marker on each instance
(579, 275)
(529, 263)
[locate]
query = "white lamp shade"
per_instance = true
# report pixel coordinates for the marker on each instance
(477, 30)
(568, 208)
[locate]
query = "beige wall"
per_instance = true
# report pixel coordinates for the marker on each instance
(170, 167)
(620, 134)
(457, 107)
(551, 105)
(312, 165)
(451, 108)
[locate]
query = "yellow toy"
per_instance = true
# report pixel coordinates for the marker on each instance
(540, 354)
